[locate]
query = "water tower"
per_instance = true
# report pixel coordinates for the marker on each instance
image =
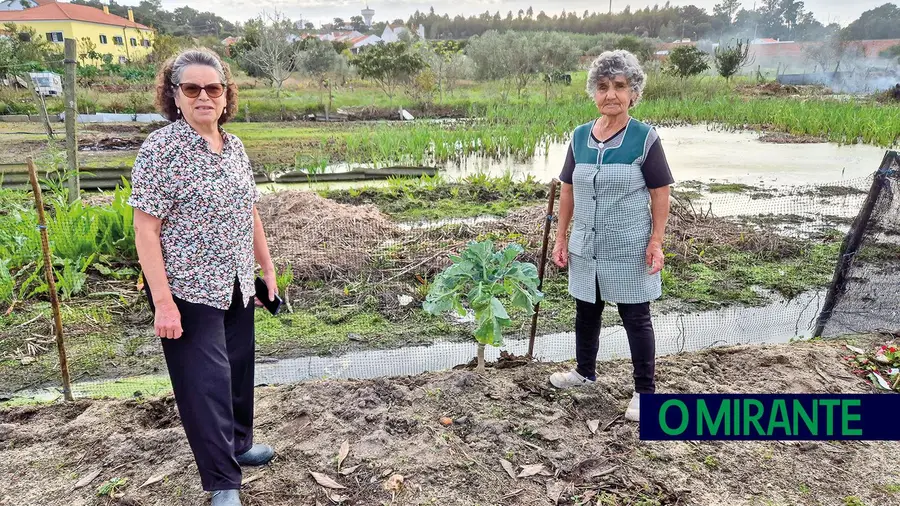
(367, 15)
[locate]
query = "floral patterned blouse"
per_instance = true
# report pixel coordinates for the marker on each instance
(205, 201)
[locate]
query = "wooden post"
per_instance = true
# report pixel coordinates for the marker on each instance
(41, 105)
(71, 112)
(549, 219)
(51, 281)
(852, 242)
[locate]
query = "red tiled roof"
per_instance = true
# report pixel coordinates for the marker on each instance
(53, 11)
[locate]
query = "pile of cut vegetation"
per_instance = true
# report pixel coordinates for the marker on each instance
(320, 238)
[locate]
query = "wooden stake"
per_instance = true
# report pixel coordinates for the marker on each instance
(534, 318)
(51, 281)
(71, 113)
(41, 105)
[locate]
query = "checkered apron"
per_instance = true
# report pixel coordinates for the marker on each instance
(612, 222)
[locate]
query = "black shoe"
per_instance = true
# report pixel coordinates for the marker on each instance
(257, 455)
(226, 498)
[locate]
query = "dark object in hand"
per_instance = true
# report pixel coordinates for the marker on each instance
(262, 293)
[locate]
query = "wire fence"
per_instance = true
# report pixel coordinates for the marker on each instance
(743, 265)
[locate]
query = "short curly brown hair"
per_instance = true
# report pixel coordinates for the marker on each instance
(165, 86)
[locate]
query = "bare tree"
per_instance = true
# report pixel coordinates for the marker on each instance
(829, 52)
(319, 60)
(276, 52)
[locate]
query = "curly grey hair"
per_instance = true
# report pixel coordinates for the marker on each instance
(196, 57)
(613, 63)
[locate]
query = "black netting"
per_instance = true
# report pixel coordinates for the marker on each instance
(865, 296)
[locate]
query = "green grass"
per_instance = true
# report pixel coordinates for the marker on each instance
(730, 188)
(727, 276)
(433, 198)
(841, 122)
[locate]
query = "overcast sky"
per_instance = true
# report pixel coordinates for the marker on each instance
(318, 11)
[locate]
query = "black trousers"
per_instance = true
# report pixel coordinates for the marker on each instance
(211, 367)
(641, 340)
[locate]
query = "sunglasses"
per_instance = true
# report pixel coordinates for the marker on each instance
(191, 90)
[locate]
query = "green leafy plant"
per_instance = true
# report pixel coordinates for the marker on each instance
(284, 280)
(109, 488)
(70, 280)
(686, 61)
(482, 278)
(7, 283)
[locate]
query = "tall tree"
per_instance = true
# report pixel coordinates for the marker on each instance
(390, 65)
(879, 23)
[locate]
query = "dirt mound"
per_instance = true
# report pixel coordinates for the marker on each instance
(691, 231)
(110, 144)
(320, 238)
(776, 89)
(372, 113)
(401, 453)
(785, 138)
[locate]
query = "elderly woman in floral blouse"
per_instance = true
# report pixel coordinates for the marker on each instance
(199, 237)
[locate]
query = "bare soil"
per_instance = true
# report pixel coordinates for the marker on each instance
(400, 452)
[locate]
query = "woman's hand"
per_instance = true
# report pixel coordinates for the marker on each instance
(655, 258)
(167, 323)
(271, 283)
(560, 254)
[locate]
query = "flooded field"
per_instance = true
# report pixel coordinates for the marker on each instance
(704, 154)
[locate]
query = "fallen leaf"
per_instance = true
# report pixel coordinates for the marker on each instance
(555, 490)
(326, 481)
(593, 425)
(87, 479)
(394, 483)
(879, 381)
(585, 499)
(508, 467)
(598, 474)
(337, 498)
(386, 473)
(854, 349)
(348, 471)
(250, 479)
(153, 479)
(512, 494)
(531, 470)
(611, 422)
(343, 452)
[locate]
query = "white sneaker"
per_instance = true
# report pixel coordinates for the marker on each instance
(569, 379)
(633, 412)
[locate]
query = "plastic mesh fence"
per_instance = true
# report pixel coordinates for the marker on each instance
(743, 265)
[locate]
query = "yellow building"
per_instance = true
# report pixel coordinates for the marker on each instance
(124, 39)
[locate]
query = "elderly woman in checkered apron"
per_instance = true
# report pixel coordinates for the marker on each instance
(615, 193)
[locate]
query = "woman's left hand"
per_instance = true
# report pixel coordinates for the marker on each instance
(271, 283)
(655, 258)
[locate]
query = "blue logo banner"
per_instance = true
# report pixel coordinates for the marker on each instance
(744, 417)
